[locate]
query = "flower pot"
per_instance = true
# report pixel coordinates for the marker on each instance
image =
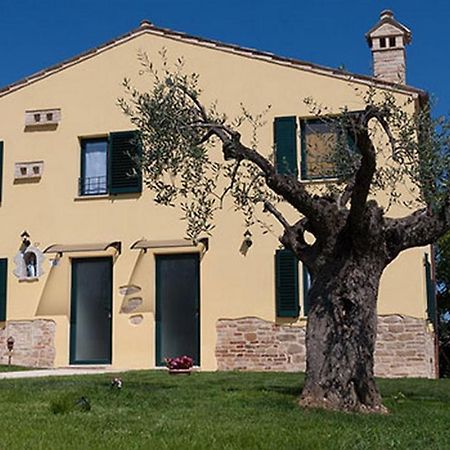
(180, 371)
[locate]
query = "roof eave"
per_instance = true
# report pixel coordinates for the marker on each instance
(243, 51)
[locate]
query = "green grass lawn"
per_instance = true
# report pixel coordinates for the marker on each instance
(6, 368)
(214, 411)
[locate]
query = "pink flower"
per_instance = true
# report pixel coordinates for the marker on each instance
(181, 362)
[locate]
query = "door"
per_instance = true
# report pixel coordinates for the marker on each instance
(177, 307)
(91, 311)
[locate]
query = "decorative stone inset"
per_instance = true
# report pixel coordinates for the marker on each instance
(42, 117)
(131, 304)
(28, 170)
(136, 319)
(404, 347)
(29, 263)
(34, 342)
(129, 289)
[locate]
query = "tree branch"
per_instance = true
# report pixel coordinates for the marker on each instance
(365, 173)
(286, 186)
(422, 227)
(294, 239)
(347, 194)
(232, 181)
(268, 207)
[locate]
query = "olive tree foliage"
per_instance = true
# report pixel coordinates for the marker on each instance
(177, 133)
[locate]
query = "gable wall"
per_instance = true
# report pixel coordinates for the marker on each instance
(232, 285)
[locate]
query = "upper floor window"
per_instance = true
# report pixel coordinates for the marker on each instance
(328, 149)
(319, 141)
(94, 166)
(109, 165)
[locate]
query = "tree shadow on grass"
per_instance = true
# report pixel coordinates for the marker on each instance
(286, 390)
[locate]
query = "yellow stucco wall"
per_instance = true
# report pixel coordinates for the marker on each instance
(231, 285)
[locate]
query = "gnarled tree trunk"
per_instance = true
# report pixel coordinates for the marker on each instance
(341, 334)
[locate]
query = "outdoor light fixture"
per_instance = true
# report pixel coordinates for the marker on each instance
(246, 243)
(25, 240)
(10, 344)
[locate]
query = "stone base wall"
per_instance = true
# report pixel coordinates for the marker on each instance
(404, 348)
(34, 344)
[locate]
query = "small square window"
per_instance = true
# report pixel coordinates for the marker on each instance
(320, 139)
(382, 42)
(318, 147)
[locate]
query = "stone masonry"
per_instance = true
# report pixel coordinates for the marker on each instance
(34, 342)
(390, 65)
(404, 348)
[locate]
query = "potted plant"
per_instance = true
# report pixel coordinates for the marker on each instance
(180, 365)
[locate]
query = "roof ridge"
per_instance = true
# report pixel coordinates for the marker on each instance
(148, 27)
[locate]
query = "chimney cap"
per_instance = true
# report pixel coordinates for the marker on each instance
(387, 17)
(386, 14)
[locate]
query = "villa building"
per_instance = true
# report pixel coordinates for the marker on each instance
(92, 271)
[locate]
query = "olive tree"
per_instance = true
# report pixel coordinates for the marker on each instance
(376, 151)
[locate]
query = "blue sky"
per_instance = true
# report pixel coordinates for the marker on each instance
(35, 34)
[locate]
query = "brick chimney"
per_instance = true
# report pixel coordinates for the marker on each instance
(387, 41)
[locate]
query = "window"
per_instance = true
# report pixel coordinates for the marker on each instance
(94, 163)
(287, 285)
(108, 165)
(320, 139)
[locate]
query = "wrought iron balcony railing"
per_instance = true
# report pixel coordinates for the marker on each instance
(92, 185)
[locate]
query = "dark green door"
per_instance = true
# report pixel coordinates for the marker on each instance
(91, 311)
(177, 307)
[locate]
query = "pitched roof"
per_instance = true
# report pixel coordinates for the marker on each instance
(147, 27)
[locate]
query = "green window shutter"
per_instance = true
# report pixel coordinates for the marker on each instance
(123, 156)
(431, 292)
(285, 136)
(286, 284)
(1, 169)
(3, 284)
